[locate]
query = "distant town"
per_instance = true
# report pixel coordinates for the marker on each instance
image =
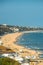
(4, 28)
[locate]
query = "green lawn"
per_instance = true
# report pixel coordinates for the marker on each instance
(8, 61)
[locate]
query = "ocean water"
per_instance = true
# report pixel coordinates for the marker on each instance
(32, 40)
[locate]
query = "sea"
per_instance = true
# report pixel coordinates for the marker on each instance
(32, 40)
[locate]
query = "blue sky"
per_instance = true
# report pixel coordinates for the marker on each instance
(22, 12)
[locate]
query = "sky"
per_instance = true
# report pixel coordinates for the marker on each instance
(22, 12)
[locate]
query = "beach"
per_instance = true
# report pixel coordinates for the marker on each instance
(9, 42)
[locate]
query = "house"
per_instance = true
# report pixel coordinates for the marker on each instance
(15, 29)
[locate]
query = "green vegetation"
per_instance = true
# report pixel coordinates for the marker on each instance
(8, 61)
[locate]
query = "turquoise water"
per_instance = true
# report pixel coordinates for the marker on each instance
(32, 40)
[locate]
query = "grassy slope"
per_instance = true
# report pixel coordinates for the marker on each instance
(8, 61)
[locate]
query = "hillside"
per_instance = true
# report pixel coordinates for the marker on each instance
(5, 29)
(8, 61)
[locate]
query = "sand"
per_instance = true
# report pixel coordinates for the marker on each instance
(9, 42)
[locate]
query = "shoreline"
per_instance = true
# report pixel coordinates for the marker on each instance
(26, 33)
(37, 31)
(9, 41)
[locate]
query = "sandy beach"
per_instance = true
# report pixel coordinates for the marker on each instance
(9, 42)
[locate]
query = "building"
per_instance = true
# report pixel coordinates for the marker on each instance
(4, 24)
(15, 29)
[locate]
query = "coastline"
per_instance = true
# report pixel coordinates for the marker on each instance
(37, 31)
(9, 41)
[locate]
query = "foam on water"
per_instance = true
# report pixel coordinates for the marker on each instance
(32, 40)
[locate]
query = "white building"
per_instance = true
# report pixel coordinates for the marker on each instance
(5, 55)
(16, 29)
(4, 24)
